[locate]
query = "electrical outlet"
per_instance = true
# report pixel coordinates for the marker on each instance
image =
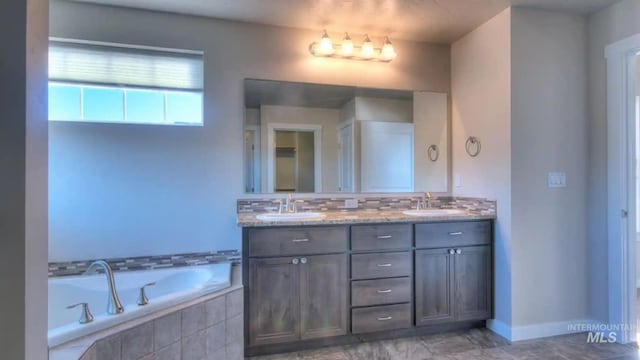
(351, 204)
(557, 180)
(457, 181)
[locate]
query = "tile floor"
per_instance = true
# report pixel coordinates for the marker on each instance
(477, 344)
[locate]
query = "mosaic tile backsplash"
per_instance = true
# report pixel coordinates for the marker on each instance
(147, 262)
(479, 205)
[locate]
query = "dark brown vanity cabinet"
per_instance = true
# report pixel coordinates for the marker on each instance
(309, 286)
(454, 282)
(381, 268)
(303, 293)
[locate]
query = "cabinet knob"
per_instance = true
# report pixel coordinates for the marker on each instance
(295, 261)
(458, 251)
(451, 251)
(386, 318)
(384, 291)
(303, 260)
(457, 233)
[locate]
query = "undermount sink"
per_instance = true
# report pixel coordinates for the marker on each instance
(434, 212)
(289, 216)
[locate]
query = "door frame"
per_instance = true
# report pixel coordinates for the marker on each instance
(621, 60)
(255, 133)
(341, 126)
(317, 151)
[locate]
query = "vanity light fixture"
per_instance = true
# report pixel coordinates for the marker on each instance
(347, 45)
(347, 50)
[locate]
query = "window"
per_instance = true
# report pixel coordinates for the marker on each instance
(95, 82)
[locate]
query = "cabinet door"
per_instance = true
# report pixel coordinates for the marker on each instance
(323, 296)
(473, 283)
(274, 301)
(434, 286)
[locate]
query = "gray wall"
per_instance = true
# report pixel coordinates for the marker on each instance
(481, 106)
(549, 126)
(605, 27)
(519, 84)
(122, 190)
(23, 179)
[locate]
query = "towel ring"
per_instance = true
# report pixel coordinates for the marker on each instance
(473, 146)
(433, 153)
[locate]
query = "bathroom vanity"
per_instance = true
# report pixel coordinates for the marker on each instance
(345, 279)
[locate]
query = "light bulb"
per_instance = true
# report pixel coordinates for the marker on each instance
(387, 52)
(325, 46)
(347, 45)
(367, 48)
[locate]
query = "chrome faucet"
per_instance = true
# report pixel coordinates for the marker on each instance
(425, 202)
(113, 305)
(289, 206)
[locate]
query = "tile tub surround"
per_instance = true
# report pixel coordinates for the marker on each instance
(476, 344)
(210, 327)
(367, 203)
(147, 262)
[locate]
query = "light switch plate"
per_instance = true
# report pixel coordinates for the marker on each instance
(351, 204)
(557, 180)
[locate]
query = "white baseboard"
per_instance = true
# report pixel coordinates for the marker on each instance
(526, 332)
(499, 328)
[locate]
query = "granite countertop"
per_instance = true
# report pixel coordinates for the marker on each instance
(360, 217)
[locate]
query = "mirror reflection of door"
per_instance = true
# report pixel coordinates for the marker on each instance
(251, 159)
(294, 161)
(345, 158)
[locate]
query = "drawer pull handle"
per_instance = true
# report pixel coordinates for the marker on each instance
(385, 291)
(384, 236)
(455, 233)
(386, 318)
(300, 240)
(384, 265)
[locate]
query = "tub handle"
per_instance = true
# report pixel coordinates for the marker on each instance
(142, 298)
(85, 316)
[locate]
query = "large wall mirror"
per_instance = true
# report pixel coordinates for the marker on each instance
(302, 137)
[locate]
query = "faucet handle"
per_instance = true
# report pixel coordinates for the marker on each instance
(85, 316)
(142, 298)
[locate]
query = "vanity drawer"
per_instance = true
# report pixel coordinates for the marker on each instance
(297, 241)
(462, 233)
(380, 265)
(381, 237)
(380, 292)
(379, 318)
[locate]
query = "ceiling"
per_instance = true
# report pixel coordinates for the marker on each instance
(439, 21)
(267, 92)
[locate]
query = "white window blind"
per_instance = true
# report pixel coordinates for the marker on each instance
(114, 83)
(104, 64)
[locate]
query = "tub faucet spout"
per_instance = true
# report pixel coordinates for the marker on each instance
(113, 305)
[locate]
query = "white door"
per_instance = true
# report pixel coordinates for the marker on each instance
(386, 153)
(249, 161)
(345, 158)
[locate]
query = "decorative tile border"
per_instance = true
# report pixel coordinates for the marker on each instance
(480, 205)
(147, 262)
